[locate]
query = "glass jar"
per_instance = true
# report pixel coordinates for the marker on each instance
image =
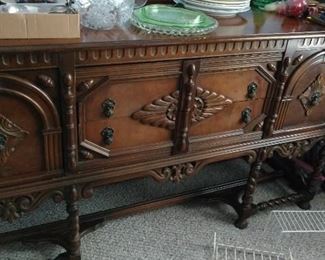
(104, 14)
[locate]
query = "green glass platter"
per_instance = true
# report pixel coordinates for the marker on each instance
(170, 20)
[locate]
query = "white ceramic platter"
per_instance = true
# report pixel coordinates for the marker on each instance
(218, 3)
(216, 6)
(216, 12)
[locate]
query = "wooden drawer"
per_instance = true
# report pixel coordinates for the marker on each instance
(117, 93)
(128, 106)
(231, 118)
(241, 92)
(128, 98)
(235, 85)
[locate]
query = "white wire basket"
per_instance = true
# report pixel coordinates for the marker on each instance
(298, 221)
(228, 252)
(288, 235)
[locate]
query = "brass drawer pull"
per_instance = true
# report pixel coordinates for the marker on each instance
(108, 107)
(107, 134)
(252, 90)
(3, 142)
(246, 115)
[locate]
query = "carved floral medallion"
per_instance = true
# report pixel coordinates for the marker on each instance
(176, 173)
(10, 136)
(313, 95)
(162, 112)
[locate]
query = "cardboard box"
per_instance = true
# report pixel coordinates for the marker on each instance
(39, 26)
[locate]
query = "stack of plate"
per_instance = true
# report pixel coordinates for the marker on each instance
(221, 8)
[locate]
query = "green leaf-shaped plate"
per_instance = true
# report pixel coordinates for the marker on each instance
(172, 20)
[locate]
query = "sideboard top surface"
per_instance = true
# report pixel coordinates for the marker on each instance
(246, 26)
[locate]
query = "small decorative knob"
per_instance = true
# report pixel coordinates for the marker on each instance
(315, 98)
(108, 107)
(3, 142)
(252, 90)
(246, 116)
(107, 134)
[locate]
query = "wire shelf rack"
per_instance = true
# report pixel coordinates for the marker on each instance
(282, 236)
(229, 252)
(297, 221)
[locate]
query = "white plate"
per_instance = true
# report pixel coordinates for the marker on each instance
(221, 2)
(208, 2)
(216, 12)
(216, 6)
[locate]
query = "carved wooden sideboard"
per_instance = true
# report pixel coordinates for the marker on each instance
(124, 104)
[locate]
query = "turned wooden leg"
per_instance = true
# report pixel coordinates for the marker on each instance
(73, 234)
(247, 208)
(315, 181)
(316, 177)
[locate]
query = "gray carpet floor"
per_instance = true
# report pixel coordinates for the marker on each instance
(182, 232)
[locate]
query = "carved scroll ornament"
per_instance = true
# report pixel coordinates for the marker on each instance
(313, 95)
(13, 208)
(176, 173)
(162, 112)
(294, 149)
(10, 136)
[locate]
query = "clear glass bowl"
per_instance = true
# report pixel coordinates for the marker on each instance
(104, 14)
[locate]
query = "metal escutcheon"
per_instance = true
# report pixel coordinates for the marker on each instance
(108, 107)
(252, 90)
(107, 135)
(246, 115)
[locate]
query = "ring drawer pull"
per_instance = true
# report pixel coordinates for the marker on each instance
(107, 134)
(246, 115)
(108, 107)
(252, 90)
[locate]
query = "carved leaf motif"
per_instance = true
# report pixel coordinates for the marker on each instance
(11, 135)
(46, 81)
(313, 95)
(86, 154)
(162, 112)
(85, 85)
(207, 104)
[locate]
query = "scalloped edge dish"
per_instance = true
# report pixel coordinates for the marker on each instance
(193, 22)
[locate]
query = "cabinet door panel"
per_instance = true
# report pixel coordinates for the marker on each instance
(30, 133)
(304, 100)
(23, 141)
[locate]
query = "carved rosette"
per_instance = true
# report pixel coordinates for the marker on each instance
(10, 136)
(176, 173)
(162, 112)
(313, 95)
(13, 208)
